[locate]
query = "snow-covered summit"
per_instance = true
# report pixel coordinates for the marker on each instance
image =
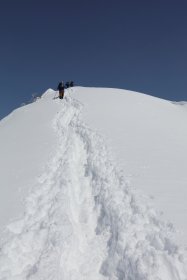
(81, 218)
(149, 138)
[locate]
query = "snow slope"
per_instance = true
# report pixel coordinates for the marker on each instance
(27, 141)
(149, 138)
(81, 218)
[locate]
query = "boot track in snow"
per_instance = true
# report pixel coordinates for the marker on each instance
(83, 221)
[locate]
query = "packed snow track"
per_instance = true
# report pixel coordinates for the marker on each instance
(83, 221)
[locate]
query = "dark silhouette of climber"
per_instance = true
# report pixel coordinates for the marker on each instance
(61, 90)
(67, 84)
(71, 84)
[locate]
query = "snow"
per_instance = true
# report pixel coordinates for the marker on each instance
(82, 219)
(27, 141)
(148, 135)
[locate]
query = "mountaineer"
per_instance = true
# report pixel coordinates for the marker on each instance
(61, 90)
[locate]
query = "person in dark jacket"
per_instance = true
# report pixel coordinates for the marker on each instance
(61, 90)
(71, 84)
(67, 84)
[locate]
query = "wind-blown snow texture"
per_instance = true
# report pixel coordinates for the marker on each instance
(83, 221)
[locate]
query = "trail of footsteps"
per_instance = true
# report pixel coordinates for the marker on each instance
(84, 251)
(57, 233)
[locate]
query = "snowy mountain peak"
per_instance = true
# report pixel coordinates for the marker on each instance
(81, 218)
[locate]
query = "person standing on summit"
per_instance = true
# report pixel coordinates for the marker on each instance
(71, 84)
(67, 84)
(61, 90)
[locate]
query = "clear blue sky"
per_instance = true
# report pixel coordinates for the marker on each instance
(139, 45)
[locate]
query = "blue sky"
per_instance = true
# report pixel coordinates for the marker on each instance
(133, 44)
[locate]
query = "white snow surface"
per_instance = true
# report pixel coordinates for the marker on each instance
(148, 136)
(81, 218)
